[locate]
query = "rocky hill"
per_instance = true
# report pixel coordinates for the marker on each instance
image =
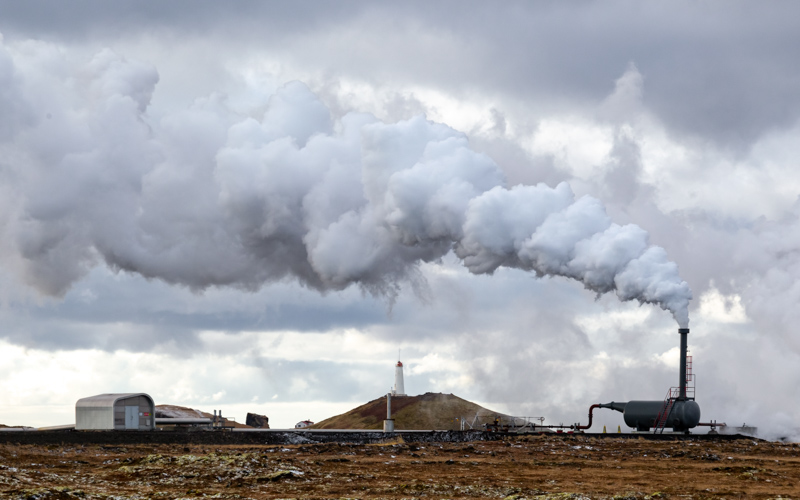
(429, 411)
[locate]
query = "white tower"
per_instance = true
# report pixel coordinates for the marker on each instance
(399, 389)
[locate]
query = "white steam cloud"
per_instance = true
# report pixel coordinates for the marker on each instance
(210, 197)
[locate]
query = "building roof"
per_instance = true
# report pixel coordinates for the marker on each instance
(108, 400)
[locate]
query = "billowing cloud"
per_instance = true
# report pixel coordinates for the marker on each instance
(292, 194)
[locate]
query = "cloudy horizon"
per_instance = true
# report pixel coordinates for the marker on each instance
(253, 209)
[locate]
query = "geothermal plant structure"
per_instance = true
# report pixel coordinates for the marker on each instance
(678, 410)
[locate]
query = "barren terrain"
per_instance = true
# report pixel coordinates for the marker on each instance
(536, 466)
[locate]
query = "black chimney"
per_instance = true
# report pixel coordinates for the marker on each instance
(683, 332)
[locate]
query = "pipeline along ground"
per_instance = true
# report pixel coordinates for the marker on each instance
(536, 466)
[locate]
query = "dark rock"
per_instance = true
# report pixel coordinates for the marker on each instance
(279, 475)
(257, 421)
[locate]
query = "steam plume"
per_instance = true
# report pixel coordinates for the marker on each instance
(208, 197)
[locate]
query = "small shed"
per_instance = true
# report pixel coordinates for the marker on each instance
(133, 411)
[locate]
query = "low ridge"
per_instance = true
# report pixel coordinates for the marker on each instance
(429, 411)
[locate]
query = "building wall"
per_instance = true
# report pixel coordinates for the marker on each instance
(103, 416)
(94, 418)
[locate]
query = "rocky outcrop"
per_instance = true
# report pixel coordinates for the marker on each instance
(174, 411)
(257, 421)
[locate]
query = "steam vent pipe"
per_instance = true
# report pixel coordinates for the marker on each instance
(388, 424)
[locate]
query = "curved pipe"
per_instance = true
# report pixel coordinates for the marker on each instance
(591, 409)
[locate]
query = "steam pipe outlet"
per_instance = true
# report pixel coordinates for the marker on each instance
(620, 407)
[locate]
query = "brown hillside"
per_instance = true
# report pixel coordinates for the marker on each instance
(430, 411)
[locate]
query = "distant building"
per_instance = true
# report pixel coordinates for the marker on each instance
(120, 412)
(399, 388)
(303, 424)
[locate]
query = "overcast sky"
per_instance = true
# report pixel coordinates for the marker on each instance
(252, 208)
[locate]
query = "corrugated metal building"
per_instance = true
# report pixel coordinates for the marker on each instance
(135, 411)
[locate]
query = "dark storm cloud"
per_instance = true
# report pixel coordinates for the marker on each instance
(128, 313)
(63, 333)
(725, 71)
(84, 19)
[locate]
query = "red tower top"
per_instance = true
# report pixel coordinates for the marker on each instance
(399, 364)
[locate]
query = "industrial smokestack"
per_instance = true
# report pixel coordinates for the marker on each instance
(682, 382)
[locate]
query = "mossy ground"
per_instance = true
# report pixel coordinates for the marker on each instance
(536, 467)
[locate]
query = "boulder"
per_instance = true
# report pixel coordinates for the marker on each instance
(257, 421)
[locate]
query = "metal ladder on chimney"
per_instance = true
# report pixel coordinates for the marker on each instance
(689, 378)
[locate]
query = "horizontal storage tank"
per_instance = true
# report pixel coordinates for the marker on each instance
(642, 415)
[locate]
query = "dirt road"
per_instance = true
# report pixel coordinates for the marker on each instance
(522, 467)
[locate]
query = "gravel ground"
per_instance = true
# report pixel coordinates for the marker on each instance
(545, 467)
